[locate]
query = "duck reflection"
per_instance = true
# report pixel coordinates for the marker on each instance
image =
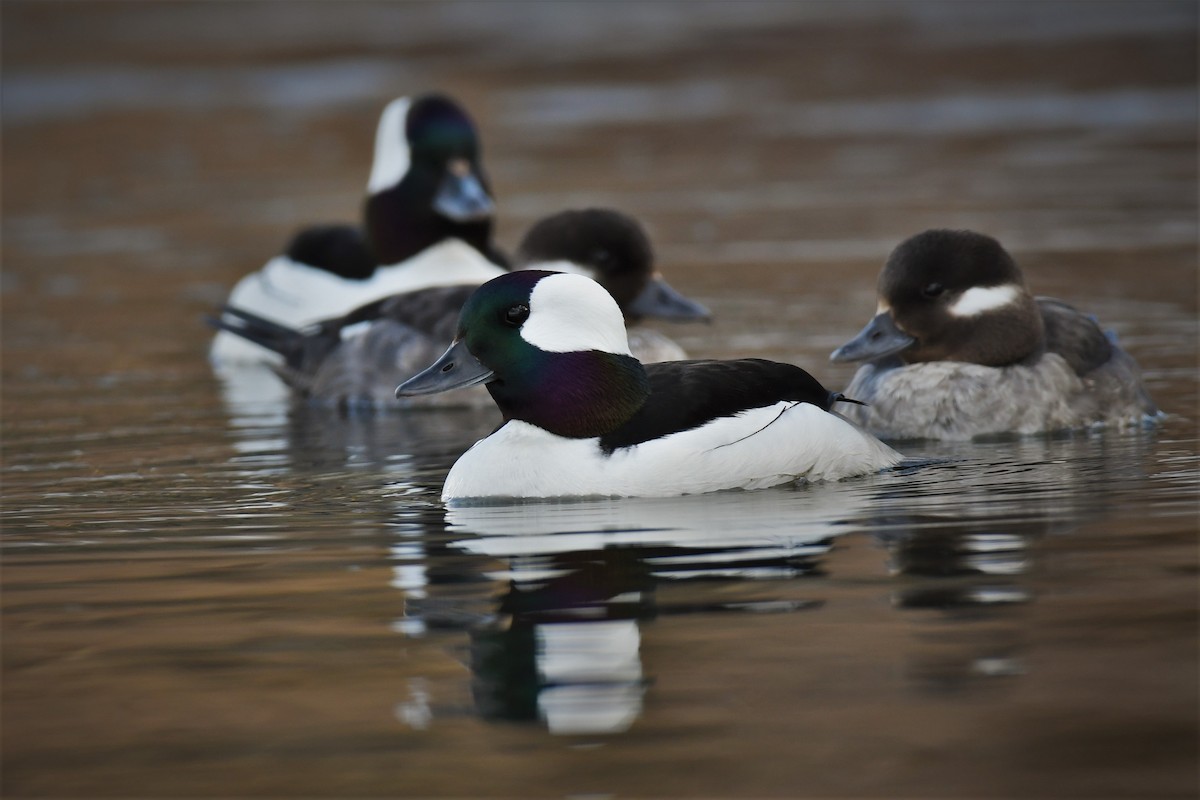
(961, 536)
(413, 448)
(565, 645)
(579, 581)
(555, 599)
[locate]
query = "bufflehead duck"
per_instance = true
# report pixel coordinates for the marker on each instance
(427, 222)
(959, 348)
(356, 360)
(583, 417)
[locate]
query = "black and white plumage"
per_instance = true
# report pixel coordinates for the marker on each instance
(959, 348)
(583, 417)
(427, 221)
(357, 360)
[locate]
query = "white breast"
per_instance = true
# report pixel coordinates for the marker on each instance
(756, 449)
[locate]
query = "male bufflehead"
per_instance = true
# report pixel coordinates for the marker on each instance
(583, 417)
(959, 348)
(356, 360)
(427, 222)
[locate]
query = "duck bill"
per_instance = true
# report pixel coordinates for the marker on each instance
(880, 338)
(461, 197)
(456, 369)
(659, 299)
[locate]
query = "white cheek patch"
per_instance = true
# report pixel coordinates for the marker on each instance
(391, 148)
(882, 308)
(569, 313)
(980, 299)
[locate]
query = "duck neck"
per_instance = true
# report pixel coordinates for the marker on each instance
(398, 228)
(578, 395)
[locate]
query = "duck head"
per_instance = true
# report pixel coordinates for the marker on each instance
(552, 350)
(427, 181)
(947, 295)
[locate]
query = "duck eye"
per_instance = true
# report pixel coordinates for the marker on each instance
(515, 315)
(932, 290)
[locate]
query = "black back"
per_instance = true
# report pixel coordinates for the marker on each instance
(687, 394)
(340, 249)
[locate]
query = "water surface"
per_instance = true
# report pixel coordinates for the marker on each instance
(208, 595)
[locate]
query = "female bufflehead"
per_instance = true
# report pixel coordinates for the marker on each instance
(427, 222)
(356, 360)
(959, 349)
(583, 417)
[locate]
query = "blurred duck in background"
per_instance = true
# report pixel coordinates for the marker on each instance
(355, 361)
(960, 349)
(427, 223)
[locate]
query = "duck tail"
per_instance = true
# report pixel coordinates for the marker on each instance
(288, 342)
(838, 397)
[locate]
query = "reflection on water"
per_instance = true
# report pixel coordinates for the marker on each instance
(556, 598)
(209, 591)
(582, 578)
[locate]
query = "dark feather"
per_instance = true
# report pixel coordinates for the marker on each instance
(339, 249)
(687, 394)
(318, 362)
(1074, 336)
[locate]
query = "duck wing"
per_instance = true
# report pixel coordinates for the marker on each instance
(687, 394)
(1074, 336)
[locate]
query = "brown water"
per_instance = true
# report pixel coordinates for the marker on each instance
(205, 597)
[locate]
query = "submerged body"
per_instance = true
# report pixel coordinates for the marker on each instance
(584, 418)
(960, 349)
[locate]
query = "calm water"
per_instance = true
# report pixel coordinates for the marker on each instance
(205, 595)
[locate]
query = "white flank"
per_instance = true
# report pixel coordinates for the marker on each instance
(391, 147)
(980, 299)
(283, 291)
(753, 450)
(450, 262)
(295, 294)
(569, 313)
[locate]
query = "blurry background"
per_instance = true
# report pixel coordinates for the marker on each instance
(777, 151)
(153, 153)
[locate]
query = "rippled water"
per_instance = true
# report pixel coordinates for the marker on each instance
(209, 595)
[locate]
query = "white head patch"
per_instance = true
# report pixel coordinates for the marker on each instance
(568, 313)
(979, 299)
(391, 147)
